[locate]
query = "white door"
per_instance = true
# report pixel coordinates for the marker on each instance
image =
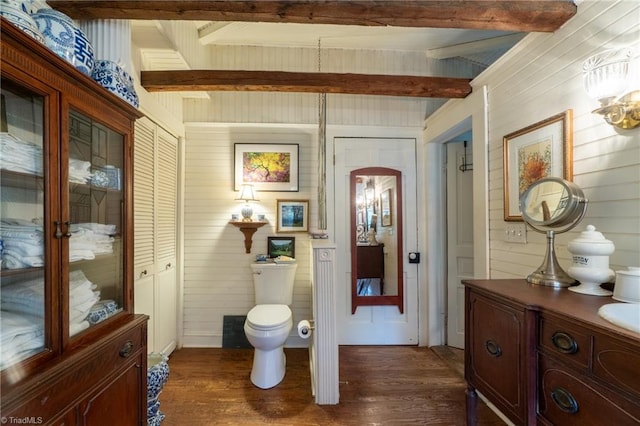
(459, 238)
(376, 325)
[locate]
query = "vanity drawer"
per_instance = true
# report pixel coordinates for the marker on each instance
(567, 341)
(567, 398)
(617, 363)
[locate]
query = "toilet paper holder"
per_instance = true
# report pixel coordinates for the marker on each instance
(305, 327)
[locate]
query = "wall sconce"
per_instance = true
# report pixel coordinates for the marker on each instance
(612, 77)
(246, 195)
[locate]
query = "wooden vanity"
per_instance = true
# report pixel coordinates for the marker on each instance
(544, 356)
(371, 263)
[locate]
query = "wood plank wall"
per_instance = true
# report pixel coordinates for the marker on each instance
(539, 79)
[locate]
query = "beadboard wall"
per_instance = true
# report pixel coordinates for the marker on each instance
(217, 276)
(541, 77)
(218, 280)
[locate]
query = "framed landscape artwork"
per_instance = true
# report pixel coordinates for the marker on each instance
(541, 150)
(281, 246)
(292, 216)
(268, 167)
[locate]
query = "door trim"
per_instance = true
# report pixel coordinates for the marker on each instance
(440, 127)
(415, 133)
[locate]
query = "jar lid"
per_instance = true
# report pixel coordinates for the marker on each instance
(592, 236)
(591, 242)
(633, 271)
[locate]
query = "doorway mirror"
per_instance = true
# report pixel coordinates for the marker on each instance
(376, 238)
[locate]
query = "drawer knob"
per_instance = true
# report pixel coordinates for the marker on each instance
(564, 343)
(564, 400)
(493, 348)
(126, 349)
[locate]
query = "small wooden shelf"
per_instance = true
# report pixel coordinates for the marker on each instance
(248, 229)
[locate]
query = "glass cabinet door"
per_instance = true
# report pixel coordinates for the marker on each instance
(96, 259)
(24, 292)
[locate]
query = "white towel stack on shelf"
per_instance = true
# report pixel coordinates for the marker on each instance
(17, 155)
(21, 336)
(20, 156)
(23, 242)
(28, 298)
(90, 239)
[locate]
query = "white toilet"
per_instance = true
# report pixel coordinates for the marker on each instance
(269, 322)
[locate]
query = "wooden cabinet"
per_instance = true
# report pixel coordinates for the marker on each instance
(371, 266)
(72, 348)
(155, 238)
(544, 356)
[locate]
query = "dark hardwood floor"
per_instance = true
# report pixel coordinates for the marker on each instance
(379, 385)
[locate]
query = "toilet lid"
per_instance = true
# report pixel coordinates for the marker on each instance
(263, 317)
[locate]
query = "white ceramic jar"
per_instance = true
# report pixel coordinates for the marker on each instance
(627, 288)
(590, 262)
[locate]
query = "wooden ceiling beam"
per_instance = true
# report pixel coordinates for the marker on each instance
(505, 15)
(280, 81)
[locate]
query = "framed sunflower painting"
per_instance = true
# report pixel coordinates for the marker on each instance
(543, 149)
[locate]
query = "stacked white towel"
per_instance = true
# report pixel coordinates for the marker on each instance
(98, 228)
(23, 243)
(27, 297)
(90, 239)
(79, 171)
(21, 336)
(20, 156)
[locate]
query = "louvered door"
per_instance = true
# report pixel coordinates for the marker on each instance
(156, 192)
(166, 225)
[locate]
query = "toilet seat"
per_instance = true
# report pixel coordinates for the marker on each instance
(268, 317)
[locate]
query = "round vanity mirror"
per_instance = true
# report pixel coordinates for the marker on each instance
(552, 206)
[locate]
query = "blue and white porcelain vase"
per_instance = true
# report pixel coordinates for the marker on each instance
(115, 79)
(157, 375)
(15, 13)
(64, 37)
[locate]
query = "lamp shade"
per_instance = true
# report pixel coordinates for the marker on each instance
(246, 193)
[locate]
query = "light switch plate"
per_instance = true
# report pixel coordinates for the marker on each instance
(515, 233)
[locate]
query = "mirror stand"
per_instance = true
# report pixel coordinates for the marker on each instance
(550, 273)
(552, 206)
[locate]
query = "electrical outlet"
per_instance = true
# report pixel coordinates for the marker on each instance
(515, 233)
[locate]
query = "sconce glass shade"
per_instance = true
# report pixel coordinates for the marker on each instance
(246, 195)
(606, 74)
(611, 77)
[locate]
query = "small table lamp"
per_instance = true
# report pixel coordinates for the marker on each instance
(246, 195)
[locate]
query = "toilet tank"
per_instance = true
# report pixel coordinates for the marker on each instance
(273, 283)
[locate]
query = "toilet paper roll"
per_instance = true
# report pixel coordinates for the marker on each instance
(304, 329)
